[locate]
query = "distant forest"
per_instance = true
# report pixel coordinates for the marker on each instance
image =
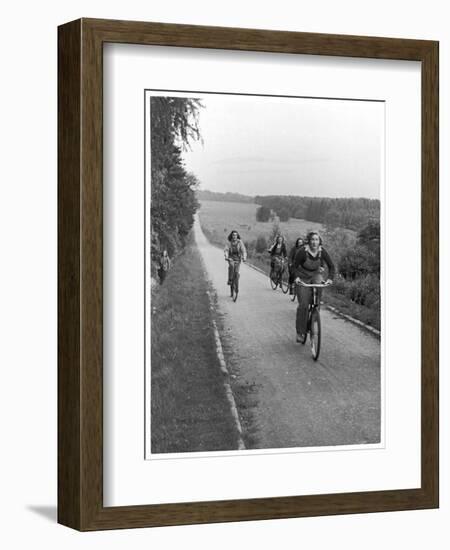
(222, 197)
(348, 213)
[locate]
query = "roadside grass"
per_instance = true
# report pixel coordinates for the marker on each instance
(189, 409)
(367, 315)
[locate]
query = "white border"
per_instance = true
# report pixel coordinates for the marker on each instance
(128, 478)
(147, 193)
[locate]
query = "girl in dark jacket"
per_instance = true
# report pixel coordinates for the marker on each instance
(277, 252)
(299, 243)
(309, 267)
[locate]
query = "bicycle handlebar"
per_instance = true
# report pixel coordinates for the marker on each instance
(314, 285)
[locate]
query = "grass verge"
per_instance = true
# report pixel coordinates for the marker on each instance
(189, 409)
(367, 315)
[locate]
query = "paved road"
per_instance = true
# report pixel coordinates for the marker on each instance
(298, 402)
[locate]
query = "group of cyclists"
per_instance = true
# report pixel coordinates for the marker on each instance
(307, 261)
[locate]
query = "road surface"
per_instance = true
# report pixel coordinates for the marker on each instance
(297, 402)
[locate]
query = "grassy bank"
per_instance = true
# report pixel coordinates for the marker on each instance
(189, 410)
(364, 314)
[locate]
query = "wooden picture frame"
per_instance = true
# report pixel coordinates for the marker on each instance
(80, 272)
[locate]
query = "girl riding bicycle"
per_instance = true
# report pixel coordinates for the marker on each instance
(277, 252)
(309, 267)
(299, 243)
(234, 253)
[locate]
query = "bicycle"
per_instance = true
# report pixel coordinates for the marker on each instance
(279, 275)
(234, 286)
(293, 296)
(313, 326)
(294, 293)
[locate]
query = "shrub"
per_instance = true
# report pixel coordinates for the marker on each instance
(365, 291)
(354, 262)
(261, 244)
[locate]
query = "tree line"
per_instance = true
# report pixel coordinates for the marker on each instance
(352, 213)
(174, 126)
(206, 195)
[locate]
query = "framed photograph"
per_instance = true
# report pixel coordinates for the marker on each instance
(248, 274)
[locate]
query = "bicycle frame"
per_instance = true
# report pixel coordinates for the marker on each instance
(277, 271)
(234, 278)
(235, 263)
(279, 263)
(314, 317)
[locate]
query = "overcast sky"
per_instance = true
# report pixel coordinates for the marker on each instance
(293, 146)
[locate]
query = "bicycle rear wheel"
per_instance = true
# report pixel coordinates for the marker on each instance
(315, 334)
(284, 281)
(273, 277)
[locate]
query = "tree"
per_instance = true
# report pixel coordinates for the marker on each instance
(354, 263)
(174, 125)
(332, 217)
(283, 214)
(370, 235)
(263, 214)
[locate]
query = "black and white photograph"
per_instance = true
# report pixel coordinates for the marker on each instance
(263, 273)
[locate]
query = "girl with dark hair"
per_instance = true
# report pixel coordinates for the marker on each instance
(164, 266)
(309, 267)
(277, 253)
(234, 253)
(277, 250)
(299, 243)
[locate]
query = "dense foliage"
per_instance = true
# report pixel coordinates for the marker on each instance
(358, 263)
(174, 125)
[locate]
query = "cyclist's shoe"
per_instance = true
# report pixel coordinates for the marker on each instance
(300, 338)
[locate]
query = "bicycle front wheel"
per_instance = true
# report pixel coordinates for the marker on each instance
(315, 334)
(294, 295)
(235, 287)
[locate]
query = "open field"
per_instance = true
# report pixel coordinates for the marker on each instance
(219, 218)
